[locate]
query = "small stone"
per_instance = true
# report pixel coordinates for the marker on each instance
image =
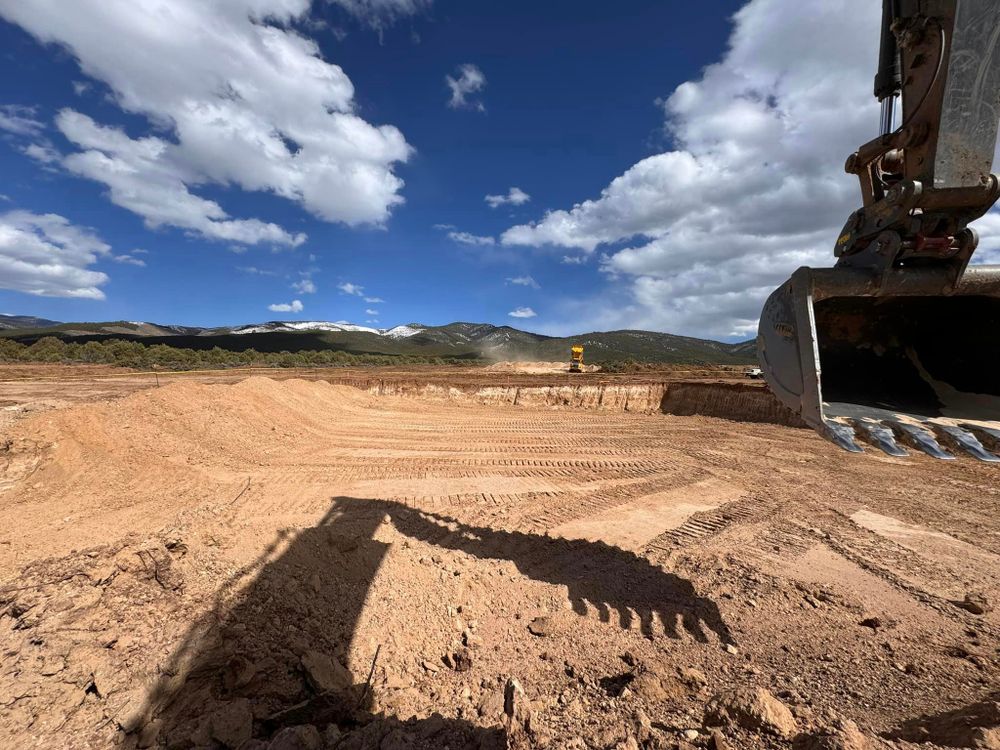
(975, 603)
(430, 666)
(515, 707)
(755, 709)
(325, 674)
(461, 660)
(841, 735)
(540, 626)
(691, 734)
(812, 601)
(238, 673)
(731, 649)
(871, 622)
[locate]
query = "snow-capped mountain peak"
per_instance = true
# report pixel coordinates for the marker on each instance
(398, 332)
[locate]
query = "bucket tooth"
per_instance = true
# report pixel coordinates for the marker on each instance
(925, 440)
(969, 443)
(882, 436)
(842, 434)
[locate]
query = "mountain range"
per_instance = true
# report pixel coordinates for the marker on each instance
(470, 341)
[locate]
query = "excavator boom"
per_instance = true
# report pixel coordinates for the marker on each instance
(900, 341)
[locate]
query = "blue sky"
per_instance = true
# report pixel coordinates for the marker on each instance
(195, 162)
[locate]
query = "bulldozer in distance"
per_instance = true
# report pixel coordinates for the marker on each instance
(899, 343)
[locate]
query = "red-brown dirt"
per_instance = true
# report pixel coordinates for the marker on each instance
(301, 564)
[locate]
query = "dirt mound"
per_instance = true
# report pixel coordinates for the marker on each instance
(536, 368)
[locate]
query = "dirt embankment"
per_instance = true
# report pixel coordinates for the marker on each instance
(633, 398)
(744, 402)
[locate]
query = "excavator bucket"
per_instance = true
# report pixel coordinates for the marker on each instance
(891, 359)
(899, 344)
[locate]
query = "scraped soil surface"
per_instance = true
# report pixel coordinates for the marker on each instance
(297, 564)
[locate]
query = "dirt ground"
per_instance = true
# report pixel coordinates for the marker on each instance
(259, 563)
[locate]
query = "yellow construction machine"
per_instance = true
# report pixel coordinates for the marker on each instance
(576, 359)
(900, 341)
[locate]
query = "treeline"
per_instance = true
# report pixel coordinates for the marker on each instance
(160, 356)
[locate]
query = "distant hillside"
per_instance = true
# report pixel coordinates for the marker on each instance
(24, 321)
(456, 340)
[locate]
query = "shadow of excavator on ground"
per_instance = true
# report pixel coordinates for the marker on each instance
(266, 663)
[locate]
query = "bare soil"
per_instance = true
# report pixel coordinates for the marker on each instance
(302, 564)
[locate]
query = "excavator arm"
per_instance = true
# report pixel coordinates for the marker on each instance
(900, 341)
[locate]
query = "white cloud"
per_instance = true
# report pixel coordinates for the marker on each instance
(524, 281)
(236, 96)
(515, 197)
(465, 238)
(380, 13)
(295, 306)
(43, 151)
(374, 300)
(522, 312)
(348, 288)
(20, 120)
(254, 271)
(573, 260)
(756, 185)
(470, 81)
(46, 255)
(4, 198)
(129, 259)
(81, 87)
(371, 312)
(141, 180)
(304, 286)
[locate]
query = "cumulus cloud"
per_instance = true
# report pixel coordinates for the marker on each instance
(236, 96)
(515, 197)
(295, 306)
(465, 238)
(755, 185)
(304, 286)
(470, 81)
(129, 259)
(370, 311)
(20, 120)
(527, 281)
(348, 288)
(522, 312)
(46, 255)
